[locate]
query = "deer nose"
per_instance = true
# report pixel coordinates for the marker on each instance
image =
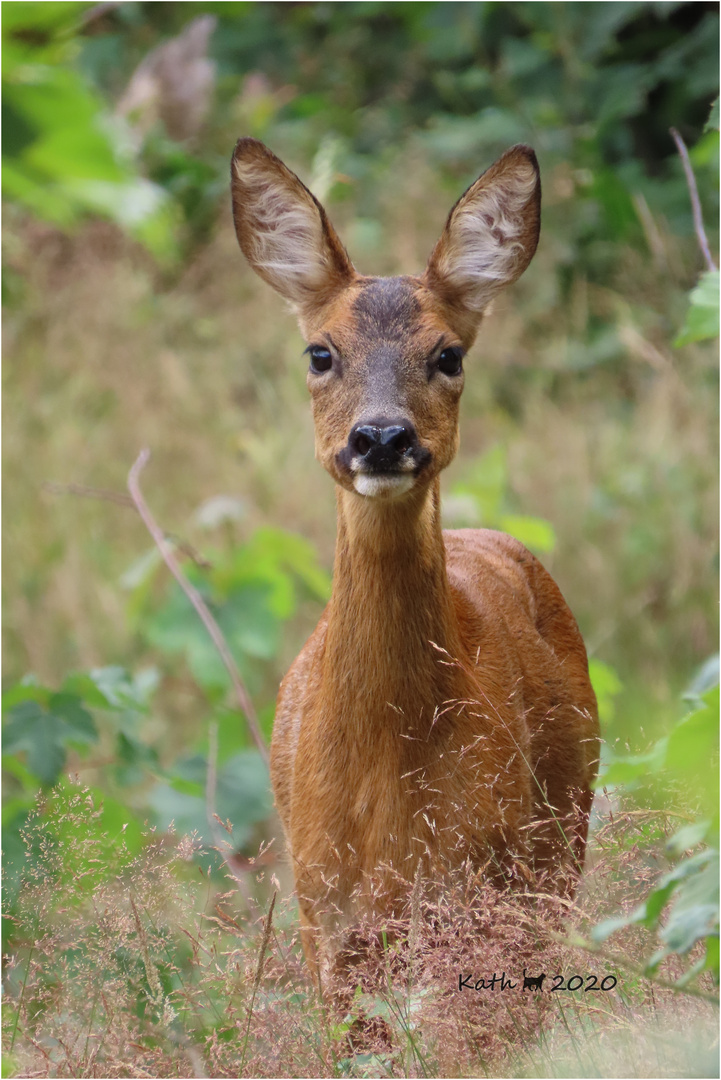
(377, 443)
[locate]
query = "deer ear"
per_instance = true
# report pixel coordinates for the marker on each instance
(283, 230)
(491, 233)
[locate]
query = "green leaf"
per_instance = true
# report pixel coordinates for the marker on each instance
(187, 787)
(694, 915)
(695, 738)
(176, 628)
(79, 723)
(487, 483)
(251, 621)
(251, 593)
(38, 734)
(232, 732)
(66, 155)
(606, 686)
(536, 533)
(693, 750)
(702, 324)
(628, 770)
(134, 756)
(118, 822)
(712, 955)
(9, 1066)
(296, 554)
(243, 789)
(139, 206)
(13, 765)
(705, 678)
(114, 687)
(649, 912)
(690, 751)
(242, 796)
(72, 155)
(184, 811)
(695, 883)
(702, 318)
(689, 923)
(26, 690)
(688, 837)
(712, 124)
(42, 15)
(42, 731)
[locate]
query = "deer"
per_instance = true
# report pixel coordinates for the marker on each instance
(441, 713)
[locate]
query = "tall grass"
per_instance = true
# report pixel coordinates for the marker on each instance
(140, 966)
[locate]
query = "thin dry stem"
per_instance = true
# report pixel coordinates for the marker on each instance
(258, 974)
(86, 492)
(695, 201)
(198, 603)
(119, 499)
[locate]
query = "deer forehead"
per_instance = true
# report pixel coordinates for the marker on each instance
(380, 320)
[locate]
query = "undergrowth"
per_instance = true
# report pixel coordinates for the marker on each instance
(145, 965)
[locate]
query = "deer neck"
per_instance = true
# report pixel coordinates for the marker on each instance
(391, 612)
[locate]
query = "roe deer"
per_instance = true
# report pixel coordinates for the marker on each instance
(441, 713)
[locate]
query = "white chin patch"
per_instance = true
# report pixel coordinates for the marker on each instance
(389, 487)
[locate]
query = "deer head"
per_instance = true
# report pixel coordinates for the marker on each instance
(386, 354)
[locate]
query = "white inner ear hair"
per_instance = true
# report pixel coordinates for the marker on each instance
(283, 232)
(482, 252)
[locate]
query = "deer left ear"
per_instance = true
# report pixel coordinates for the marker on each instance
(283, 230)
(491, 233)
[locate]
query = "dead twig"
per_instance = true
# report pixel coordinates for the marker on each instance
(198, 603)
(116, 497)
(258, 975)
(119, 499)
(695, 201)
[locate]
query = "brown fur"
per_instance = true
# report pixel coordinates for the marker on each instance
(441, 711)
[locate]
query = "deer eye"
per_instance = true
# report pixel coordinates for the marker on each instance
(320, 359)
(450, 361)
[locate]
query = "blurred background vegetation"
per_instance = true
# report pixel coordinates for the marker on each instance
(589, 419)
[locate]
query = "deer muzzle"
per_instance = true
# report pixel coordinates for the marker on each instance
(383, 457)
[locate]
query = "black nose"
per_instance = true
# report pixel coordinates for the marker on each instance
(380, 444)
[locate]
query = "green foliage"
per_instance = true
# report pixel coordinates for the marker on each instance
(689, 754)
(252, 589)
(576, 82)
(242, 797)
(606, 686)
(483, 498)
(44, 731)
(702, 319)
(692, 889)
(683, 906)
(64, 155)
(42, 724)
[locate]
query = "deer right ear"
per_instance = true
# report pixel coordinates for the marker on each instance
(283, 230)
(491, 234)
